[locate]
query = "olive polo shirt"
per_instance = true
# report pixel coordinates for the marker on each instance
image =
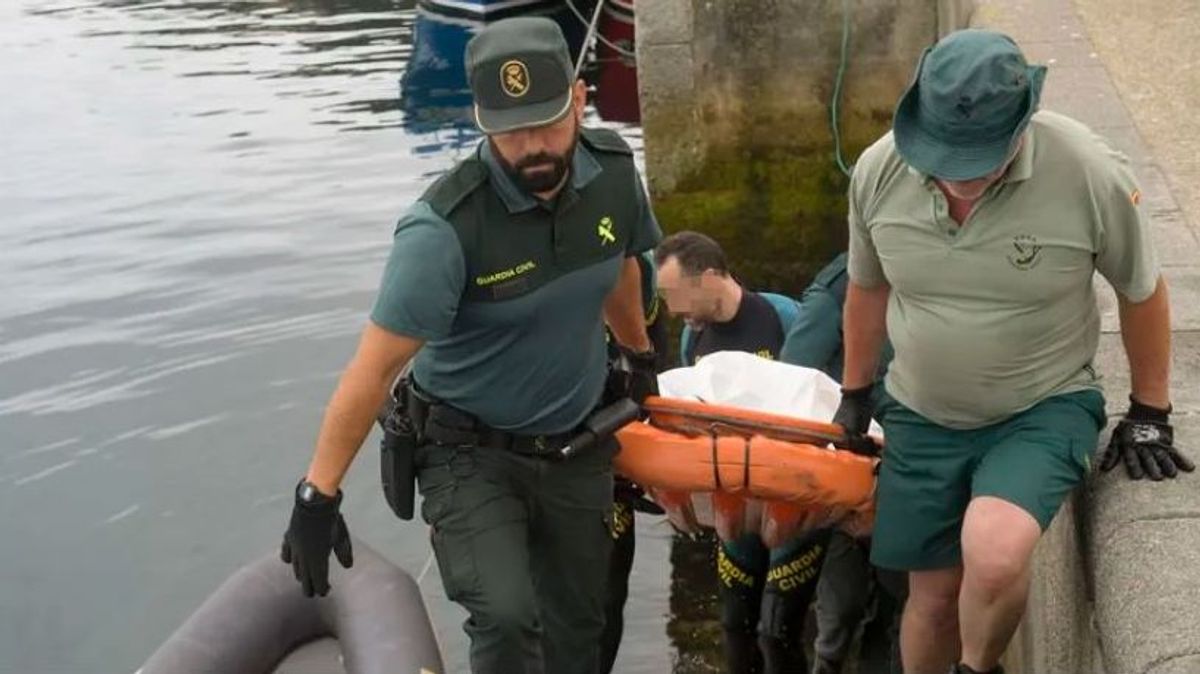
(992, 317)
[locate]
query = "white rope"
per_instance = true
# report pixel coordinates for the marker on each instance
(592, 33)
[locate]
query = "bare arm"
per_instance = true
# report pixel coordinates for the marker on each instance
(623, 309)
(1146, 333)
(864, 327)
(351, 411)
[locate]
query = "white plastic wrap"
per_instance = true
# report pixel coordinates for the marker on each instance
(746, 380)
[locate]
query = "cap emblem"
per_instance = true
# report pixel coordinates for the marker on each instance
(514, 78)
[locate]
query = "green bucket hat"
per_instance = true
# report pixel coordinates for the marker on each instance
(520, 73)
(972, 96)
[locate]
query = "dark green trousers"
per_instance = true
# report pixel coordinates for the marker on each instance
(523, 544)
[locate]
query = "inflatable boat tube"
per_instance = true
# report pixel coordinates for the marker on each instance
(258, 622)
(739, 470)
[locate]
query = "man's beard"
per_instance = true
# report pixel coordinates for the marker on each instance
(552, 169)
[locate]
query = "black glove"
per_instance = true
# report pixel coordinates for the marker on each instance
(1146, 442)
(316, 528)
(854, 416)
(643, 380)
(633, 494)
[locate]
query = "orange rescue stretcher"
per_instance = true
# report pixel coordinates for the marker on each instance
(749, 469)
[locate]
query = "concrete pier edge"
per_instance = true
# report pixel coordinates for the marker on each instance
(1114, 586)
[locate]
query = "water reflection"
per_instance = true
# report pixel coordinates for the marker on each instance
(191, 240)
(433, 90)
(693, 629)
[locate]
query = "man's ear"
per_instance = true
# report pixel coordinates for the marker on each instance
(579, 99)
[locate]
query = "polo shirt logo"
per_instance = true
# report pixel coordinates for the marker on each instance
(1027, 252)
(604, 231)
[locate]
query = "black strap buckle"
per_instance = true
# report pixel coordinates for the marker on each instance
(540, 446)
(447, 425)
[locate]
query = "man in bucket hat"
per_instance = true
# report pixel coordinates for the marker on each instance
(975, 229)
(501, 279)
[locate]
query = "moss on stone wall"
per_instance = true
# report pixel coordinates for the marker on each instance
(779, 210)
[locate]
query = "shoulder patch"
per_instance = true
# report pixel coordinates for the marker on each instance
(444, 195)
(605, 140)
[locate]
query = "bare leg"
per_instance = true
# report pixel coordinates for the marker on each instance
(929, 640)
(998, 540)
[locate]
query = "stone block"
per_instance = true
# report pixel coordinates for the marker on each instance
(1060, 54)
(954, 15)
(1176, 241)
(1031, 20)
(1182, 664)
(1147, 597)
(1185, 372)
(1085, 93)
(662, 22)
(1183, 285)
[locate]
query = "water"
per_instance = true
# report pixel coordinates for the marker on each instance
(197, 201)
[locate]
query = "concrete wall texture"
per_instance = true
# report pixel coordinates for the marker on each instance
(736, 110)
(735, 105)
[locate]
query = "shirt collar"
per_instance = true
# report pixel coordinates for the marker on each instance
(1022, 166)
(584, 169)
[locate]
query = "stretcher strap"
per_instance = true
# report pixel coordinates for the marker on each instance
(712, 434)
(713, 439)
(746, 465)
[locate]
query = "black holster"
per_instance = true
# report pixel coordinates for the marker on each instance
(397, 454)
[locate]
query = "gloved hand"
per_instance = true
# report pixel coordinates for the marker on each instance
(633, 494)
(854, 416)
(316, 528)
(643, 377)
(1145, 441)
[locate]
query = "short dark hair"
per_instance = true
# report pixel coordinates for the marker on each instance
(695, 252)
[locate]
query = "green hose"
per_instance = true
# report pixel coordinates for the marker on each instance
(835, 104)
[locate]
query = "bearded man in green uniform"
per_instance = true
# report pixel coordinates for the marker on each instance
(501, 279)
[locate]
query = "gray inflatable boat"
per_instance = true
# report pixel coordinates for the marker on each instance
(258, 622)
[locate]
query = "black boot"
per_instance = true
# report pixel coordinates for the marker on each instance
(741, 652)
(782, 656)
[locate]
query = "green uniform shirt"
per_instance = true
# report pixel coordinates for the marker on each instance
(508, 292)
(814, 338)
(993, 317)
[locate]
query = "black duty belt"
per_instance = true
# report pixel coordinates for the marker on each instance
(445, 424)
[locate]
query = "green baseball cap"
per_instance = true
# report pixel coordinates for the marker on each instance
(520, 73)
(971, 98)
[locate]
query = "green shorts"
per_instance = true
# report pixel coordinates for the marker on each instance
(930, 473)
